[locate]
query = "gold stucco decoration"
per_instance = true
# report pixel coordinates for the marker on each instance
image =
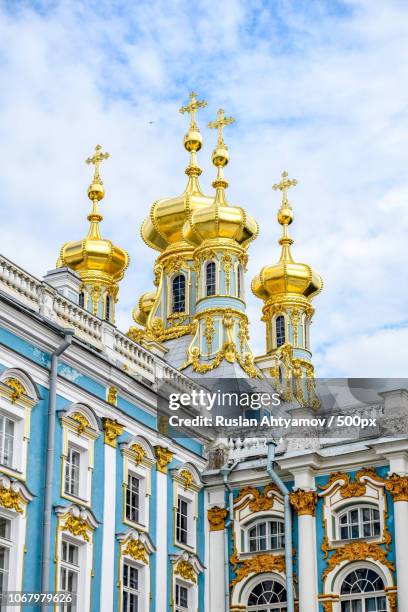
(17, 387)
(112, 396)
(398, 487)
(187, 477)
(352, 488)
(77, 527)
(304, 502)
(163, 456)
(186, 571)
(137, 551)
(392, 598)
(11, 500)
(358, 551)
(83, 422)
(112, 430)
(259, 565)
(139, 453)
(258, 502)
(216, 518)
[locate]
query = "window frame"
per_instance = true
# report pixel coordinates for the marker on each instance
(213, 280)
(177, 605)
(138, 592)
(173, 309)
(363, 596)
(360, 524)
(279, 317)
(70, 567)
(268, 520)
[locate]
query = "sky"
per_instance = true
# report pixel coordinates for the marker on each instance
(317, 88)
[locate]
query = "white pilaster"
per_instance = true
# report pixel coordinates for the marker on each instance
(307, 564)
(401, 551)
(161, 543)
(108, 534)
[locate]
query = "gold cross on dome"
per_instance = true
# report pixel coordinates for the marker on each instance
(96, 161)
(192, 108)
(220, 123)
(285, 184)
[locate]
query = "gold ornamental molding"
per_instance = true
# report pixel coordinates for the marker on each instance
(187, 478)
(398, 487)
(112, 430)
(137, 551)
(164, 456)
(216, 518)
(82, 421)
(258, 565)
(257, 501)
(350, 488)
(112, 396)
(304, 502)
(391, 593)
(17, 387)
(328, 600)
(76, 526)
(358, 551)
(186, 571)
(139, 453)
(11, 500)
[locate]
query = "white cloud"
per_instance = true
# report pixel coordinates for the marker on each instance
(317, 88)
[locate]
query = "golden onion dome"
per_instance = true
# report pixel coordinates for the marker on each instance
(142, 310)
(97, 260)
(163, 227)
(219, 220)
(286, 276)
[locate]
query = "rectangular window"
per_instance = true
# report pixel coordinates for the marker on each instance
(130, 588)
(69, 573)
(6, 440)
(182, 521)
(72, 467)
(181, 598)
(132, 499)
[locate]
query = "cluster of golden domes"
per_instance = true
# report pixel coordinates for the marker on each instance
(97, 260)
(192, 218)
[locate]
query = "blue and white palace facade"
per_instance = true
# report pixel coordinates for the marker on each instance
(98, 498)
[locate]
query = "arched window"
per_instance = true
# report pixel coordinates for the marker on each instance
(280, 330)
(239, 280)
(266, 535)
(359, 522)
(363, 591)
(179, 293)
(81, 299)
(267, 596)
(210, 278)
(108, 308)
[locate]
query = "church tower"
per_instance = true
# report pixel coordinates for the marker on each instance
(221, 235)
(98, 262)
(166, 313)
(287, 289)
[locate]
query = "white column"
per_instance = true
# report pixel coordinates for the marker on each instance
(161, 553)
(108, 533)
(307, 564)
(216, 558)
(401, 550)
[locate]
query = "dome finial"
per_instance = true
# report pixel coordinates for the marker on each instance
(193, 142)
(95, 189)
(220, 155)
(285, 213)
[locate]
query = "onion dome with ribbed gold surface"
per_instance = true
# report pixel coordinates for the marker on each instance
(220, 221)
(142, 310)
(286, 276)
(100, 263)
(163, 227)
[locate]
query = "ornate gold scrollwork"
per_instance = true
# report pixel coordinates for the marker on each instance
(258, 502)
(226, 261)
(17, 387)
(259, 565)
(398, 487)
(77, 527)
(358, 551)
(187, 477)
(83, 422)
(139, 453)
(186, 571)
(11, 500)
(112, 396)
(137, 551)
(209, 331)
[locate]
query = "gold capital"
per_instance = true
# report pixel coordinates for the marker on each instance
(219, 124)
(96, 160)
(398, 487)
(112, 430)
(164, 456)
(304, 502)
(192, 108)
(285, 184)
(216, 518)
